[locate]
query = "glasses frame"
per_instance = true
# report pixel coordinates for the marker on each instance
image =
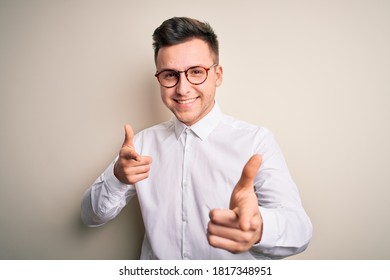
(157, 75)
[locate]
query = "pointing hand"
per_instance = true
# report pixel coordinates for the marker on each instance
(131, 167)
(236, 229)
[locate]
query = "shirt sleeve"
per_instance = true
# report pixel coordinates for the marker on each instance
(106, 197)
(287, 229)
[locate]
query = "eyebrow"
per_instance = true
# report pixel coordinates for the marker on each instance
(170, 69)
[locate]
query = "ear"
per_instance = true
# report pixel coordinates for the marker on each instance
(218, 75)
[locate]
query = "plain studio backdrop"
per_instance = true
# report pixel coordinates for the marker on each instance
(72, 73)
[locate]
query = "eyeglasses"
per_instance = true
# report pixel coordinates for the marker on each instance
(196, 75)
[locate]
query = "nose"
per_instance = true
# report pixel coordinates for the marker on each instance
(183, 86)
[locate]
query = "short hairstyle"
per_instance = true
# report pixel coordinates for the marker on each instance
(178, 30)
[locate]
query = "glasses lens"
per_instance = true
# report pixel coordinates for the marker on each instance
(168, 78)
(196, 75)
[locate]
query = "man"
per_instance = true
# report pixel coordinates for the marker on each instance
(209, 186)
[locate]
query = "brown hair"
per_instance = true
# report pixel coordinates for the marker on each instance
(180, 29)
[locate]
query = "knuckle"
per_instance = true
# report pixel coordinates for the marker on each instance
(247, 237)
(123, 156)
(238, 248)
(213, 214)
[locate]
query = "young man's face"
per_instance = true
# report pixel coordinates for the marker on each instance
(188, 102)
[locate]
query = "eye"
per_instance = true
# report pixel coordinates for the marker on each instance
(197, 71)
(169, 75)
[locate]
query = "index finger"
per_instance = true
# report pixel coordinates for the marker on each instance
(245, 217)
(224, 217)
(129, 153)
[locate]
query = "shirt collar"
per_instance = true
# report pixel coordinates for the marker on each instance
(203, 127)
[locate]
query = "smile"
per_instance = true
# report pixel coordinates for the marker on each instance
(187, 101)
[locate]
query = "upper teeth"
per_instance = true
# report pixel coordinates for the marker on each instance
(186, 101)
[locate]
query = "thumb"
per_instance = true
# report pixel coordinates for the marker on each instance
(249, 172)
(129, 134)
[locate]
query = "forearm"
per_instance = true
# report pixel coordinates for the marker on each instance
(287, 229)
(105, 199)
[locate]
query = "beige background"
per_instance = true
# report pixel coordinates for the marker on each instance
(73, 72)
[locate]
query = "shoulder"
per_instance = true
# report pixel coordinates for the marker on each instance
(240, 126)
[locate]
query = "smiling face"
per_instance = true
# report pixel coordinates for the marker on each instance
(188, 102)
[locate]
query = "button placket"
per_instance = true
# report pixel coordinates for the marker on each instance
(185, 185)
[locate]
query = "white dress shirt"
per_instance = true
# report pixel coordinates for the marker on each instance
(194, 170)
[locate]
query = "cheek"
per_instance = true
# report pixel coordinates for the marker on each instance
(208, 90)
(166, 95)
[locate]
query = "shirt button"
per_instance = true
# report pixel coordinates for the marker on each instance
(186, 256)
